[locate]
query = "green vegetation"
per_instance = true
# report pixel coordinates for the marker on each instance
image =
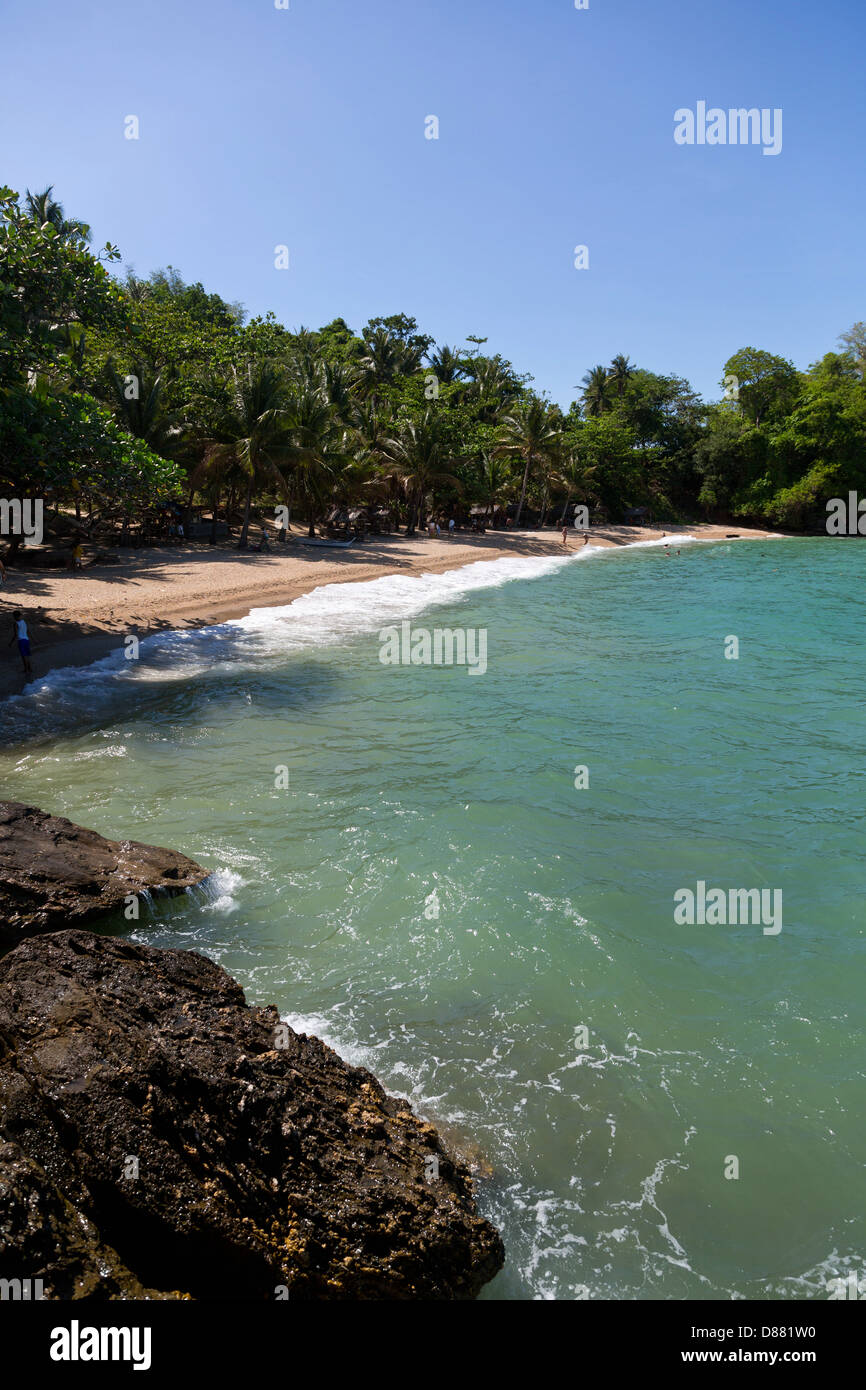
(118, 395)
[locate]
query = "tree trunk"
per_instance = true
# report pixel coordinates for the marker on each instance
(564, 510)
(522, 492)
(242, 543)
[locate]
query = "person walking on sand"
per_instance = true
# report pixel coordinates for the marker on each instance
(451, 524)
(19, 632)
(565, 536)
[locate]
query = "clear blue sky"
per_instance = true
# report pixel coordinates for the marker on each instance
(305, 126)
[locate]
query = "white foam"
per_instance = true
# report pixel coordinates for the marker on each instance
(328, 615)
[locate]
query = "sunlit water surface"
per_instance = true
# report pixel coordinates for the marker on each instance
(433, 896)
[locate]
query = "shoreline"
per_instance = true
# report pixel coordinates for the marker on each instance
(78, 618)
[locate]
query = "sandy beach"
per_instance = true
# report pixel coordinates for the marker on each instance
(77, 617)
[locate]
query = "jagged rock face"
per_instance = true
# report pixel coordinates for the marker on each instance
(54, 874)
(189, 1145)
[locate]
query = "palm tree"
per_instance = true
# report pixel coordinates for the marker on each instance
(341, 382)
(448, 365)
(495, 474)
(621, 370)
(596, 391)
(138, 397)
(251, 431)
(494, 384)
(42, 209)
(418, 452)
(388, 356)
(576, 475)
(318, 445)
(529, 433)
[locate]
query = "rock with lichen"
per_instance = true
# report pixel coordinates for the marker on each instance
(161, 1138)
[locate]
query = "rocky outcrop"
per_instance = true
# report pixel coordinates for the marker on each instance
(56, 874)
(160, 1138)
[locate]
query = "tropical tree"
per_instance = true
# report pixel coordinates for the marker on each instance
(139, 402)
(621, 371)
(44, 210)
(386, 357)
(448, 365)
(495, 477)
(319, 446)
(251, 431)
(531, 434)
(766, 385)
(576, 475)
(596, 391)
(420, 455)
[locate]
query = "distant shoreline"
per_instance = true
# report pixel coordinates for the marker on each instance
(77, 618)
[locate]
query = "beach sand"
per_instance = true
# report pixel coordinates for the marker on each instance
(77, 617)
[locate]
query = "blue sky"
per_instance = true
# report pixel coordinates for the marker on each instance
(305, 127)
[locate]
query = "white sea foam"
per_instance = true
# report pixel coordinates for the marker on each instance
(328, 615)
(217, 892)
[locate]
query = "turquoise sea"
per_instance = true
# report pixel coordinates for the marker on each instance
(433, 895)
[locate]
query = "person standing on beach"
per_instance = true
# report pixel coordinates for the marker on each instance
(451, 526)
(565, 536)
(19, 632)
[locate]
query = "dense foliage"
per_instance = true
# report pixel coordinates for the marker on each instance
(116, 395)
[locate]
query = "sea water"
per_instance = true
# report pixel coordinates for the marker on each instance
(466, 882)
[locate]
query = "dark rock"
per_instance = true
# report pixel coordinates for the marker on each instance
(55, 874)
(263, 1161)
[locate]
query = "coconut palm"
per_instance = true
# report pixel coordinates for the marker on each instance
(494, 384)
(621, 370)
(387, 356)
(420, 455)
(576, 475)
(138, 397)
(448, 365)
(341, 382)
(251, 431)
(42, 208)
(495, 475)
(529, 433)
(596, 391)
(318, 446)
